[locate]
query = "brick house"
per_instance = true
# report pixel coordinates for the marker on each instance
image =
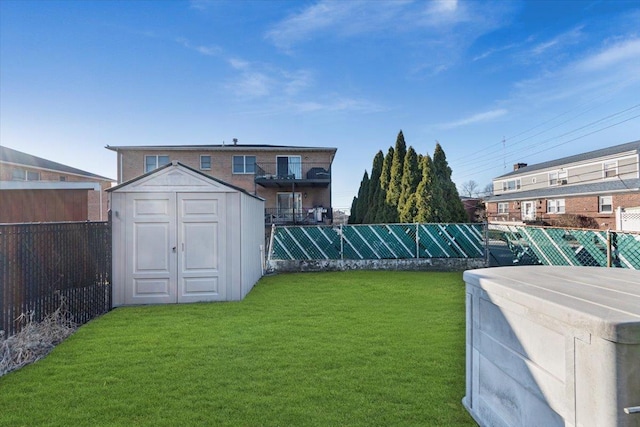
(33, 189)
(294, 181)
(590, 188)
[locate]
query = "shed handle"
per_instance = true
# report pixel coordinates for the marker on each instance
(632, 410)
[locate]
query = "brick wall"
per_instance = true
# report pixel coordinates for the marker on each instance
(131, 165)
(587, 206)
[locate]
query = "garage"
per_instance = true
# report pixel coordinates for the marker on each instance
(181, 236)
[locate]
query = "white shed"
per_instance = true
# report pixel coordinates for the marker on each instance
(183, 236)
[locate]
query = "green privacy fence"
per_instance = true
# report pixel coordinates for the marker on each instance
(562, 246)
(380, 241)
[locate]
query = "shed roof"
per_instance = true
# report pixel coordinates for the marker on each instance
(9, 155)
(590, 155)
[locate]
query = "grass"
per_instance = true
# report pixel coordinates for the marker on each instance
(310, 349)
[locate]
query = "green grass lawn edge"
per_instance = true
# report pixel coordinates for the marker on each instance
(341, 348)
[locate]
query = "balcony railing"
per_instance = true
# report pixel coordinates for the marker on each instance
(304, 216)
(286, 174)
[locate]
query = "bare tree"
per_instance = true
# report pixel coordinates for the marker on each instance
(469, 189)
(488, 190)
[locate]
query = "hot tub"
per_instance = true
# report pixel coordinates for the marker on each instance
(553, 346)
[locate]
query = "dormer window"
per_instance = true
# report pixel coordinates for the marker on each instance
(610, 169)
(511, 185)
(558, 177)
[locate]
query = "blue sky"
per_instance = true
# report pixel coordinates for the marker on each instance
(494, 82)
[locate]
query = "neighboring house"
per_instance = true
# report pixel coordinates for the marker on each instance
(33, 189)
(474, 208)
(590, 187)
(295, 182)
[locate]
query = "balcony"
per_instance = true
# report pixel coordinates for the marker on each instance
(287, 173)
(304, 216)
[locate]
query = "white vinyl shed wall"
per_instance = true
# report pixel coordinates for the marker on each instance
(182, 236)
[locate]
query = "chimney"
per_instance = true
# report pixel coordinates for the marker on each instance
(519, 166)
(235, 141)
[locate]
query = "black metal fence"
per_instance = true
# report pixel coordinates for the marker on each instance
(42, 264)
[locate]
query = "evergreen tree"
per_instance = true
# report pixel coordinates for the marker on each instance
(410, 179)
(428, 197)
(453, 209)
(383, 210)
(374, 189)
(394, 189)
(409, 210)
(362, 204)
(354, 211)
(385, 176)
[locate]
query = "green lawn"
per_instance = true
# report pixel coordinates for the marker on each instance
(309, 349)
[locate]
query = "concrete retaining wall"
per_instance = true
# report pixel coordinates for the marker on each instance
(422, 264)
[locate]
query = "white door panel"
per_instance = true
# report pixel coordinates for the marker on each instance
(201, 234)
(151, 236)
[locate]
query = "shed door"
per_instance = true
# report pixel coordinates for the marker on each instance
(201, 233)
(176, 244)
(151, 237)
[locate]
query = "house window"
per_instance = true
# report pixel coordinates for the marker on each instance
(558, 177)
(610, 169)
(154, 162)
(555, 206)
(205, 162)
(605, 204)
(288, 204)
(289, 167)
(63, 178)
(503, 207)
(511, 185)
(244, 164)
(25, 175)
(18, 175)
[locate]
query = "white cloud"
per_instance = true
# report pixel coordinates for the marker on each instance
(442, 13)
(561, 41)
(329, 18)
(621, 52)
(493, 51)
(251, 85)
(333, 103)
(204, 50)
(238, 64)
(476, 118)
(600, 73)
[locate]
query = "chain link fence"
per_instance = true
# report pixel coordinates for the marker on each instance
(43, 264)
(566, 246)
(380, 241)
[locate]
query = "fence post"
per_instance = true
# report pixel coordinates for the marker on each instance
(485, 226)
(270, 248)
(417, 240)
(341, 243)
(608, 248)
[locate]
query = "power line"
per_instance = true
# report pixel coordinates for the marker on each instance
(468, 172)
(542, 124)
(480, 159)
